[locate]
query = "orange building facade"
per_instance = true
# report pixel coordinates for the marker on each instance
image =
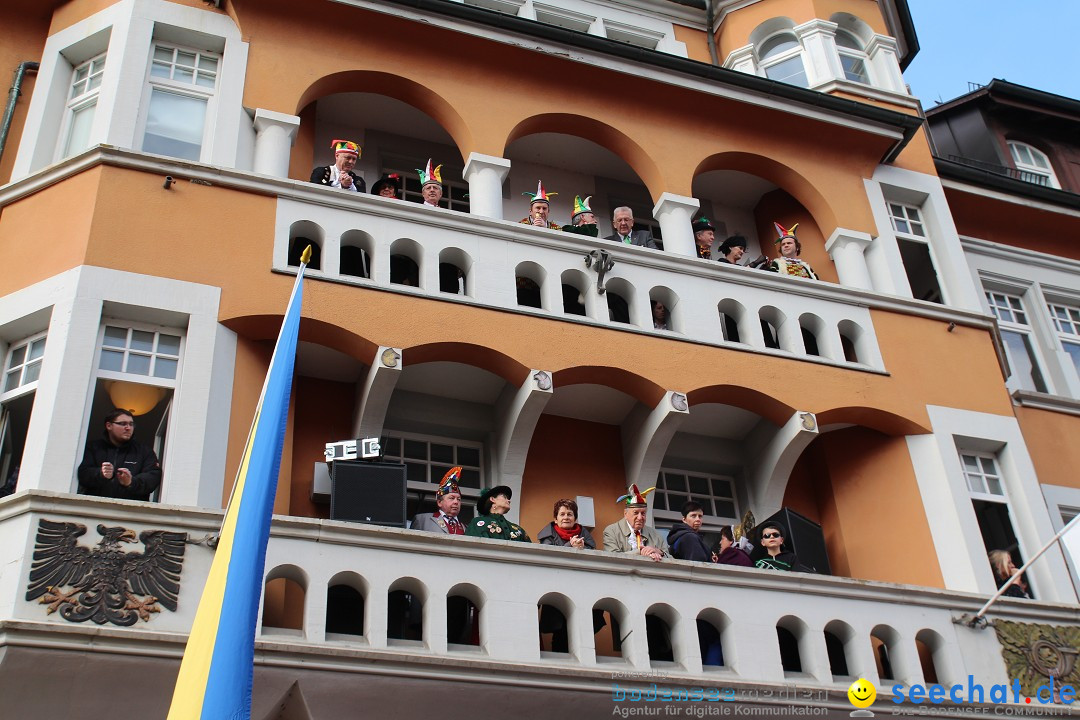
(156, 199)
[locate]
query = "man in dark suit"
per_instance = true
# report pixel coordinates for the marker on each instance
(623, 221)
(340, 174)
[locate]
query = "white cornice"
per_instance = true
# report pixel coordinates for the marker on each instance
(867, 91)
(1045, 401)
(186, 171)
(1020, 256)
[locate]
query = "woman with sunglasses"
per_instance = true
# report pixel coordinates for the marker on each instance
(769, 553)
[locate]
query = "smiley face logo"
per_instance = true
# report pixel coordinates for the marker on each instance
(862, 693)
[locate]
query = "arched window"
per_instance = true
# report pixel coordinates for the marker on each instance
(1033, 165)
(780, 57)
(852, 57)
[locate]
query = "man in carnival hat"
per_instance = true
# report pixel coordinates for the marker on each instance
(448, 498)
(539, 208)
(491, 522)
(704, 235)
(631, 535)
(789, 262)
(431, 186)
(340, 174)
(582, 221)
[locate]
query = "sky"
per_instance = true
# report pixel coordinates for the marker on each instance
(1027, 42)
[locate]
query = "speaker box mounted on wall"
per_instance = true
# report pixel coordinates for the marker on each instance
(368, 492)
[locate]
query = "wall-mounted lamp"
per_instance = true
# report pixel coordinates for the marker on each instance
(136, 397)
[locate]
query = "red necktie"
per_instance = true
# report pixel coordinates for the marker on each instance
(637, 539)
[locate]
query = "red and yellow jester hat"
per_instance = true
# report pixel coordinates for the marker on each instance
(790, 233)
(346, 146)
(540, 195)
(449, 483)
(431, 175)
(635, 498)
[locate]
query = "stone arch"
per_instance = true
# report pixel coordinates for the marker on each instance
(284, 599)
(600, 133)
(881, 420)
(479, 356)
(400, 88)
(783, 176)
(643, 390)
(768, 407)
(346, 604)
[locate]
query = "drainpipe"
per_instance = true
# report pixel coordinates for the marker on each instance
(13, 97)
(709, 37)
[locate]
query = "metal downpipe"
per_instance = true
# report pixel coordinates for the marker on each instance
(13, 98)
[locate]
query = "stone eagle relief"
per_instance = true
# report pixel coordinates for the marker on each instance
(107, 584)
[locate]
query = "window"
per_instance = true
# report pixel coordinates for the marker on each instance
(990, 502)
(914, 246)
(182, 82)
(852, 57)
(455, 194)
(427, 459)
(1017, 338)
(716, 494)
(780, 57)
(24, 363)
(81, 104)
(1033, 165)
(1067, 323)
(982, 474)
(140, 352)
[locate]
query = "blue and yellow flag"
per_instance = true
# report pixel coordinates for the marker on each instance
(216, 672)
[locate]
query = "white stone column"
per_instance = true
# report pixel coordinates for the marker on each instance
(485, 175)
(517, 413)
(847, 248)
(675, 213)
(373, 397)
(884, 56)
(274, 136)
(742, 59)
(818, 38)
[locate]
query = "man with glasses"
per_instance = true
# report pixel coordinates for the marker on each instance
(115, 466)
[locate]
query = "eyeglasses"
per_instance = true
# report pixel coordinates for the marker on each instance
(770, 536)
(126, 423)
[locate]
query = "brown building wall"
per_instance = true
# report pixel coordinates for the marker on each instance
(24, 28)
(1051, 438)
(1014, 224)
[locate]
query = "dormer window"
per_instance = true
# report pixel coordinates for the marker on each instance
(780, 56)
(1033, 165)
(852, 57)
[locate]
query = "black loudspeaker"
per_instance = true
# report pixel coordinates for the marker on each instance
(368, 492)
(805, 538)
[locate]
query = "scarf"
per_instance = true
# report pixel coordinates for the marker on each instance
(567, 534)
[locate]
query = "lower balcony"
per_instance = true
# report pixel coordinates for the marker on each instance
(386, 617)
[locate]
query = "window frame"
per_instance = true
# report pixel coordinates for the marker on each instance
(78, 103)
(857, 53)
(1066, 338)
(101, 373)
(710, 523)
(24, 386)
(765, 62)
(152, 83)
(1017, 326)
(1032, 169)
(457, 204)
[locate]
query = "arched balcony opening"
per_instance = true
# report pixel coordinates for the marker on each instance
(554, 612)
(812, 328)
(303, 233)
(357, 248)
(664, 647)
(529, 281)
(838, 637)
(406, 263)
(574, 288)
(454, 267)
(405, 611)
(398, 123)
(792, 637)
(732, 319)
(345, 605)
(463, 605)
(621, 301)
(576, 155)
(442, 413)
(665, 310)
(284, 598)
(712, 627)
(609, 640)
(854, 341)
(772, 323)
(931, 648)
(884, 641)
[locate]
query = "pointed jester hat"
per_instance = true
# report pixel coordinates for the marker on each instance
(431, 175)
(345, 146)
(540, 195)
(580, 207)
(789, 233)
(449, 483)
(635, 498)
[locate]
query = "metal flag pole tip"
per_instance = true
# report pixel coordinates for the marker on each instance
(305, 257)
